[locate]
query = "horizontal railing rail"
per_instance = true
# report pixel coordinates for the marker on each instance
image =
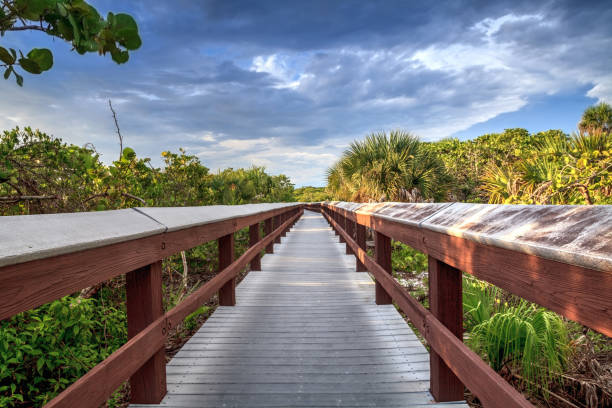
(557, 256)
(45, 257)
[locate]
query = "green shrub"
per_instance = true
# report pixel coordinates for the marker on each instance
(405, 258)
(191, 321)
(44, 350)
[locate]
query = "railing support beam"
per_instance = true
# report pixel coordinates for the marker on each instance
(254, 237)
(350, 229)
(445, 299)
(268, 231)
(336, 218)
(360, 237)
(383, 258)
(277, 223)
(227, 293)
(284, 217)
(342, 222)
(144, 306)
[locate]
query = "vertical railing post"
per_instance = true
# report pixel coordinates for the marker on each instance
(284, 218)
(446, 304)
(360, 237)
(277, 223)
(350, 230)
(334, 216)
(268, 231)
(383, 258)
(295, 212)
(254, 237)
(227, 293)
(144, 305)
(342, 223)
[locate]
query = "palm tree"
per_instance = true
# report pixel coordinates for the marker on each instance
(596, 119)
(393, 167)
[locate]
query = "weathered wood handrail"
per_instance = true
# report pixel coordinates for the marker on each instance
(557, 256)
(45, 257)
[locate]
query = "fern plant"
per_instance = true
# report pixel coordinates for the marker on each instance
(525, 337)
(479, 300)
(516, 334)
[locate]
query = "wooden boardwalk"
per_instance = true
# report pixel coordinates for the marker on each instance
(305, 333)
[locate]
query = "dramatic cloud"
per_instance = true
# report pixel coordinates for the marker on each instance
(288, 86)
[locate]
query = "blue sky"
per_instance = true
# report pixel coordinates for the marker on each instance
(288, 85)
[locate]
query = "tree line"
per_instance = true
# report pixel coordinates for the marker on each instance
(513, 167)
(42, 174)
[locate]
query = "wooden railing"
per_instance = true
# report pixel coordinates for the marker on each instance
(45, 257)
(559, 257)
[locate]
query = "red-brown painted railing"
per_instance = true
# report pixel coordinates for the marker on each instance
(142, 359)
(577, 292)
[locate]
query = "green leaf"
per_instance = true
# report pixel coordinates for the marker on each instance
(128, 153)
(119, 56)
(61, 9)
(19, 79)
(89, 45)
(125, 30)
(31, 9)
(6, 57)
(8, 71)
(65, 30)
(29, 65)
(39, 364)
(43, 57)
(75, 29)
(132, 41)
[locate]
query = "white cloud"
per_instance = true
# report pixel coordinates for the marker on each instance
(459, 57)
(244, 144)
(208, 137)
(602, 90)
(278, 67)
(490, 26)
(305, 165)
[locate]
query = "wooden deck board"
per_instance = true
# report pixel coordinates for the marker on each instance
(305, 332)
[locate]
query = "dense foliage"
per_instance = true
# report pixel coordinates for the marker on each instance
(41, 174)
(44, 350)
(515, 167)
(74, 21)
(311, 194)
(512, 167)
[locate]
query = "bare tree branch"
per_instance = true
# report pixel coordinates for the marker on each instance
(135, 198)
(28, 198)
(110, 105)
(27, 27)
